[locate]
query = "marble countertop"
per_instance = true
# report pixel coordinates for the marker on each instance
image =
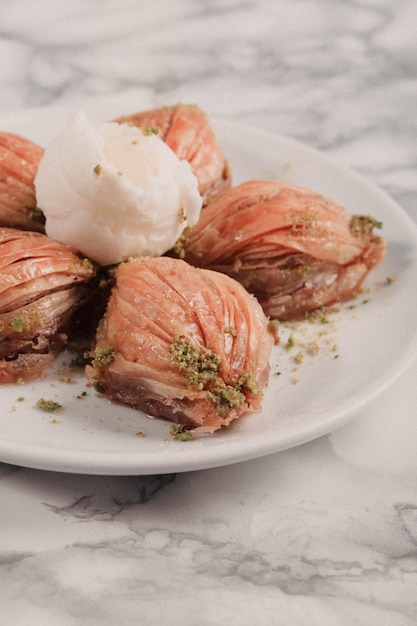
(321, 534)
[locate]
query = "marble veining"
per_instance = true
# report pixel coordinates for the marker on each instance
(279, 533)
(322, 534)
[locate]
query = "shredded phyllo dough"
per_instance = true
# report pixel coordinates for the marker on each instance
(183, 344)
(294, 249)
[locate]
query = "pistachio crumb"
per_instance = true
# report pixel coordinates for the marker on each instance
(99, 388)
(299, 357)
(179, 432)
(150, 130)
(18, 324)
(201, 368)
(290, 343)
(199, 364)
(360, 225)
(179, 247)
(48, 406)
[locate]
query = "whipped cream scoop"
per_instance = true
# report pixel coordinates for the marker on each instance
(115, 191)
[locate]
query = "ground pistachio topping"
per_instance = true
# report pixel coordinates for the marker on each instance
(18, 324)
(179, 432)
(48, 406)
(98, 388)
(149, 130)
(290, 343)
(87, 263)
(104, 355)
(248, 382)
(179, 247)
(199, 364)
(306, 225)
(363, 225)
(201, 367)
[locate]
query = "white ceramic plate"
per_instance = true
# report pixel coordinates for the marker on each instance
(347, 362)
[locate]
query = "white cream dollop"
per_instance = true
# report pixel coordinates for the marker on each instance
(114, 192)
